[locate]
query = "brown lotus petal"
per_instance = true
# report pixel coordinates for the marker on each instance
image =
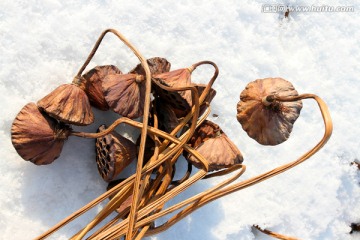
(68, 103)
(37, 137)
(272, 124)
(209, 97)
(213, 144)
(204, 132)
(157, 65)
(125, 94)
(167, 117)
(93, 88)
(180, 100)
(113, 154)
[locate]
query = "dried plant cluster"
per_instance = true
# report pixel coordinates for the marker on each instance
(174, 111)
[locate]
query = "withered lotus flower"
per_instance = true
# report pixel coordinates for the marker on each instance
(69, 103)
(125, 94)
(209, 97)
(113, 153)
(167, 117)
(269, 123)
(180, 100)
(212, 143)
(157, 65)
(93, 87)
(37, 137)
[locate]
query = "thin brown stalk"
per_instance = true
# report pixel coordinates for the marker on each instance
(274, 234)
(244, 184)
(203, 199)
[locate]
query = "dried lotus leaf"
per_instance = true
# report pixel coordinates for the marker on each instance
(268, 123)
(213, 144)
(37, 137)
(125, 94)
(156, 65)
(68, 103)
(94, 79)
(113, 154)
(180, 100)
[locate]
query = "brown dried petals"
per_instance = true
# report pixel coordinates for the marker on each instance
(167, 117)
(213, 144)
(269, 123)
(157, 65)
(37, 137)
(93, 87)
(208, 99)
(68, 103)
(125, 94)
(180, 100)
(113, 154)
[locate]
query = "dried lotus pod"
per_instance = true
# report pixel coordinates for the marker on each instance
(37, 137)
(69, 103)
(209, 97)
(269, 123)
(125, 94)
(93, 87)
(180, 100)
(157, 65)
(113, 154)
(213, 144)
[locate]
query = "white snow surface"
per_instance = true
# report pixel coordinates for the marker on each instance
(44, 43)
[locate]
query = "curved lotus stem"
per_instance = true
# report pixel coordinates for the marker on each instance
(274, 234)
(119, 229)
(165, 182)
(124, 40)
(194, 114)
(201, 98)
(212, 80)
(252, 181)
(110, 129)
(201, 199)
(146, 169)
(145, 119)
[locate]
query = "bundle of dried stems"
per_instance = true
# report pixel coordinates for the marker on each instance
(140, 199)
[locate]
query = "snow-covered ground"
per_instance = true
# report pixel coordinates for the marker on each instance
(44, 43)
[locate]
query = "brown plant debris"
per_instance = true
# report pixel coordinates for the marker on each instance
(37, 137)
(93, 87)
(268, 122)
(125, 94)
(68, 103)
(113, 154)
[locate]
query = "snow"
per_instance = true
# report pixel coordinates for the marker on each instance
(44, 43)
